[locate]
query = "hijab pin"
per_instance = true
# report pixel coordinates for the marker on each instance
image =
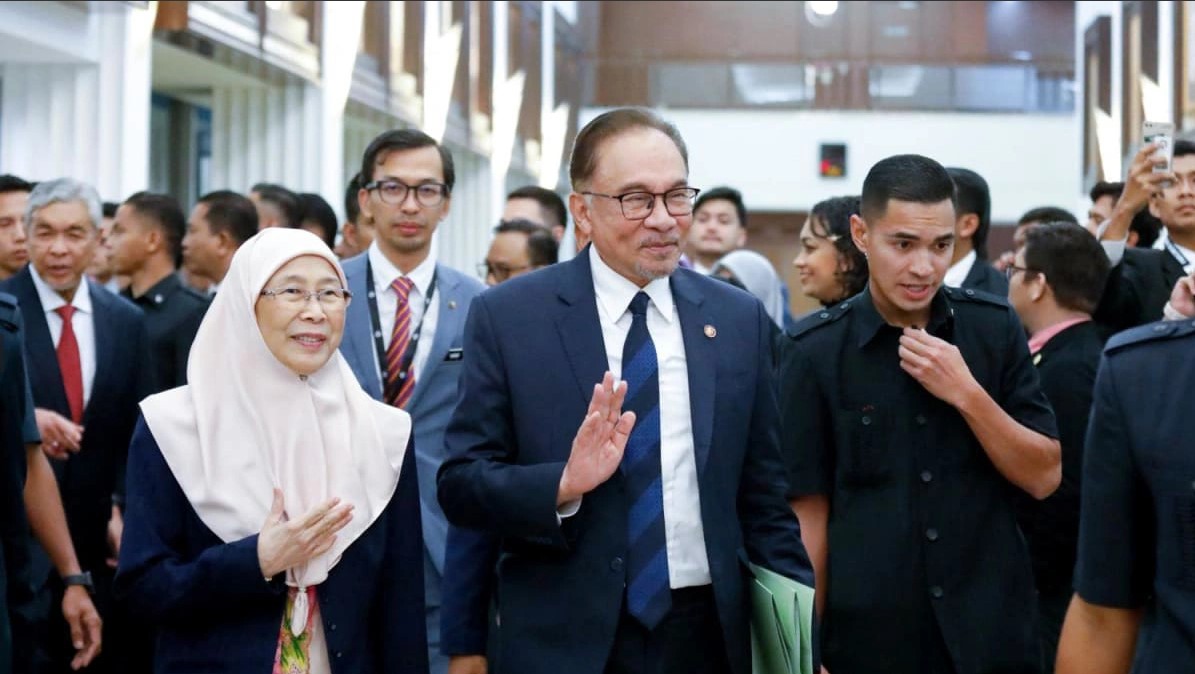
(711, 331)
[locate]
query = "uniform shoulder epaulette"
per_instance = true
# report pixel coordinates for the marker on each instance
(819, 318)
(8, 312)
(973, 295)
(193, 293)
(1151, 332)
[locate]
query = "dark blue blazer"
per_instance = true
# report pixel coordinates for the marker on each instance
(215, 614)
(89, 479)
(533, 350)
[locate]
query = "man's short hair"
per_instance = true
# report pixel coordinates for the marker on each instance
(11, 183)
(316, 210)
(583, 160)
(1047, 214)
(285, 200)
(725, 194)
(352, 207)
(541, 245)
(548, 200)
(1148, 228)
(1183, 147)
(165, 213)
(905, 177)
(1106, 189)
(108, 209)
(65, 190)
(1074, 263)
(974, 197)
(404, 139)
(230, 212)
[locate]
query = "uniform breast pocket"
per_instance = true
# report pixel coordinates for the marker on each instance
(860, 437)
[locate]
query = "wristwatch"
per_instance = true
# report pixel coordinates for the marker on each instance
(81, 579)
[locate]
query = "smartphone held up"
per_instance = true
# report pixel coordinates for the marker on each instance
(1162, 135)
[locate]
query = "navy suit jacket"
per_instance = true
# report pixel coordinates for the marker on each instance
(534, 351)
(89, 479)
(983, 276)
(215, 614)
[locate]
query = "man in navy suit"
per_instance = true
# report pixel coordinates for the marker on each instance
(624, 529)
(403, 329)
(86, 349)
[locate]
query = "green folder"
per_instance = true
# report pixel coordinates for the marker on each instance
(781, 624)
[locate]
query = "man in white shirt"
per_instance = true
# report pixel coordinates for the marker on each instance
(402, 335)
(625, 511)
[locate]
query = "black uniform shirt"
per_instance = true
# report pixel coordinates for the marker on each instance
(173, 313)
(927, 570)
(1137, 521)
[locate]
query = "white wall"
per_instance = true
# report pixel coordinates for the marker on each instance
(772, 155)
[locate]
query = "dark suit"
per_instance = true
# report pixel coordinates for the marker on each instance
(216, 615)
(1066, 367)
(534, 350)
(89, 479)
(1138, 289)
(983, 276)
(16, 591)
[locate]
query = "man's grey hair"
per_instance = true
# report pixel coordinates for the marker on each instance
(64, 190)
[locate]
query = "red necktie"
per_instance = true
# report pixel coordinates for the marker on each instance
(400, 385)
(70, 365)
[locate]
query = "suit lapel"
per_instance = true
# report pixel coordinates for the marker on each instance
(104, 330)
(701, 359)
(44, 376)
(358, 342)
(579, 327)
(448, 323)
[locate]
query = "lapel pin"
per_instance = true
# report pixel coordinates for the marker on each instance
(1037, 358)
(451, 304)
(711, 331)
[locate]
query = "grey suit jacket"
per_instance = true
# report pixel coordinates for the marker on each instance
(435, 389)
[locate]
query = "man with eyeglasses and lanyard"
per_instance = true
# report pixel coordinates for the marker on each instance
(403, 332)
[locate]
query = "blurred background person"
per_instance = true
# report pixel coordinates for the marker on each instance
(326, 504)
(719, 226)
(1055, 283)
(276, 205)
(969, 266)
(831, 267)
(1034, 216)
(755, 274)
(518, 247)
(1103, 199)
(357, 232)
(14, 252)
(539, 205)
(318, 217)
(100, 270)
(145, 244)
(220, 222)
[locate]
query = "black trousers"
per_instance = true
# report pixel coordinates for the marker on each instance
(688, 639)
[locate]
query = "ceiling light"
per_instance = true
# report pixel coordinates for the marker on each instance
(823, 9)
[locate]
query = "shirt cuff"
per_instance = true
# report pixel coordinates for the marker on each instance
(567, 510)
(1169, 313)
(1114, 250)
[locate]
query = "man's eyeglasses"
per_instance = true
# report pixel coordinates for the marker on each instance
(500, 272)
(328, 298)
(1011, 271)
(394, 192)
(639, 205)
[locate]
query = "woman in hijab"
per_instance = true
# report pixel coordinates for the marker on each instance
(272, 521)
(755, 274)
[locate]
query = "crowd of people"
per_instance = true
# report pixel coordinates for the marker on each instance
(254, 439)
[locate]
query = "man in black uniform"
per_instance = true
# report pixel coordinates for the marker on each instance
(146, 245)
(1142, 279)
(912, 413)
(1054, 283)
(1137, 525)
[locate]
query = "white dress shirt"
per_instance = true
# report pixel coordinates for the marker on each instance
(384, 274)
(959, 270)
(83, 322)
(688, 564)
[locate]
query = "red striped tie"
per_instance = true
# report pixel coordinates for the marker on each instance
(70, 365)
(400, 385)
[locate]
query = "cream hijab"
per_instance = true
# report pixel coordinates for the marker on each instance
(246, 423)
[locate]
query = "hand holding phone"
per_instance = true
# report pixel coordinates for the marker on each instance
(1160, 134)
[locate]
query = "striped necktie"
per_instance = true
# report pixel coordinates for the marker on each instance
(400, 385)
(649, 596)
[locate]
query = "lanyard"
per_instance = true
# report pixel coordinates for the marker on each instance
(1172, 248)
(409, 355)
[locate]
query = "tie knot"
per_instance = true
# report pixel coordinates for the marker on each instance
(402, 285)
(639, 304)
(65, 311)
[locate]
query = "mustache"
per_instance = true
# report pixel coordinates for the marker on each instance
(659, 241)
